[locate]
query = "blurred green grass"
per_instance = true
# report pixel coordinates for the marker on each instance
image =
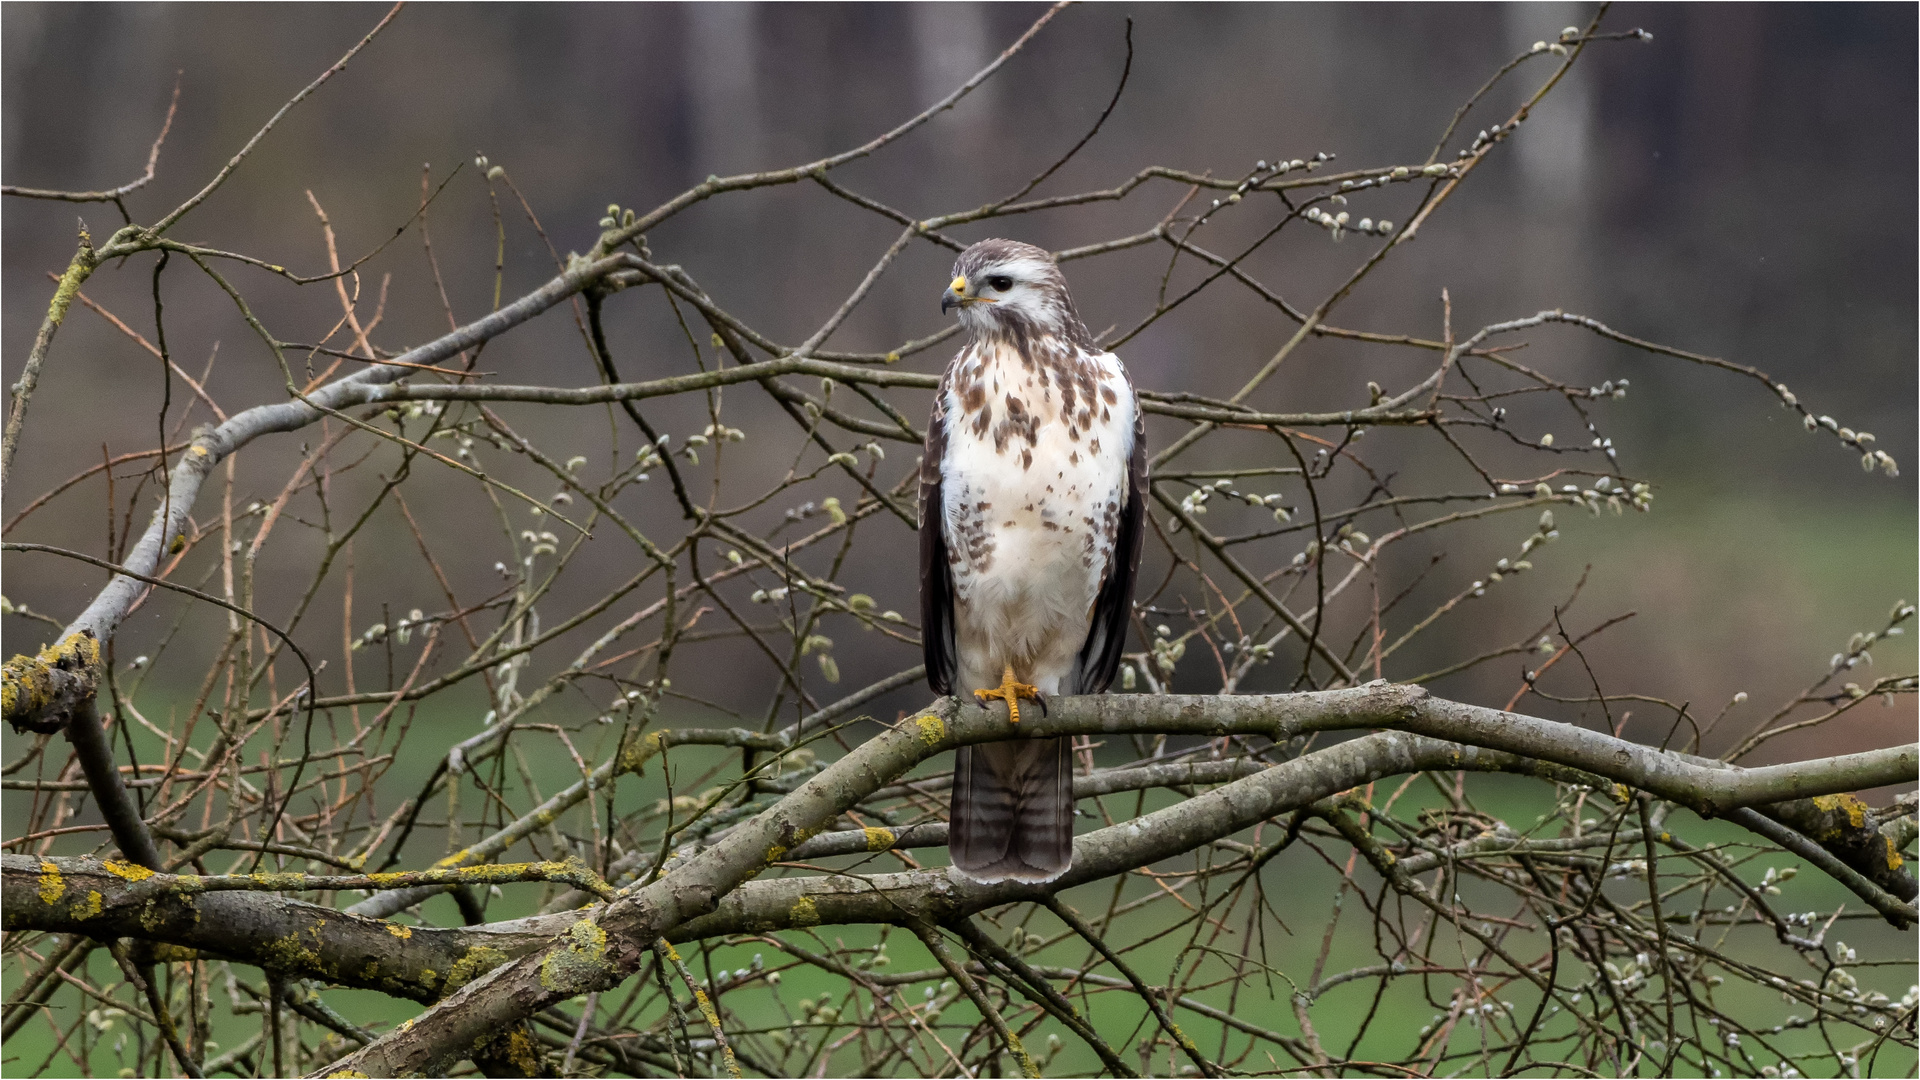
(1301, 890)
(1704, 568)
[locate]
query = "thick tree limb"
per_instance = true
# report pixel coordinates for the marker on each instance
(299, 939)
(1845, 826)
(709, 893)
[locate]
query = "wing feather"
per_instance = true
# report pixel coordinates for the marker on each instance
(1113, 607)
(936, 570)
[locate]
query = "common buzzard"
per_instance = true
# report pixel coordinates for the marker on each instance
(1031, 505)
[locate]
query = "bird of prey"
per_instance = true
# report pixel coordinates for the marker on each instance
(1031, 504)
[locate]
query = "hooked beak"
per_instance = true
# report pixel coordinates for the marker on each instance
(958, 296)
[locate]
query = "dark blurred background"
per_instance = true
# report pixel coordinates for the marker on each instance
(1742, 186)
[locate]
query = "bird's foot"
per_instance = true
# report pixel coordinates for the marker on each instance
(1011, 690)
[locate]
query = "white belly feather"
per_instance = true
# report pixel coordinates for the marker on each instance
(1031, 503)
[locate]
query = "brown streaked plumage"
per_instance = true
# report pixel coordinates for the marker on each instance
(1031, 509)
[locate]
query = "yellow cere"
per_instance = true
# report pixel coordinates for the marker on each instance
(959, 285)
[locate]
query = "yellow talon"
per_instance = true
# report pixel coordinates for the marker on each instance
(1010, 690)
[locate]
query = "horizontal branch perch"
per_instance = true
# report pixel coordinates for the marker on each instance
(596, 948)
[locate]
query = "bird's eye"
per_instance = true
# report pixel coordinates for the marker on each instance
(1001, 283)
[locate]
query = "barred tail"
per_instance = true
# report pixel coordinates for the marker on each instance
(1013, 810)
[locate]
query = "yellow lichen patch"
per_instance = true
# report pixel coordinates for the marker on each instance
(127, 870)
(52, 885)
(642, 749)
(152, 916)
(933, 730)
(579, 961)
(292, 954)
(879, 839)
(1855, 810)
(74, 650)
(399, 931)
(24, 690)
(522, 1051)
(28, 685)
(347, 1074)
(776, 853)
(1894, 861)
(804, 913)
(83, 910)
(713, 1021)
(476, 962)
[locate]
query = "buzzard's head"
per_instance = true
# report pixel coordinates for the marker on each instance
(1006, 287)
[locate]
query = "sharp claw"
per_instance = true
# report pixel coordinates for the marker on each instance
(1011, 690)
(1042, 699)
